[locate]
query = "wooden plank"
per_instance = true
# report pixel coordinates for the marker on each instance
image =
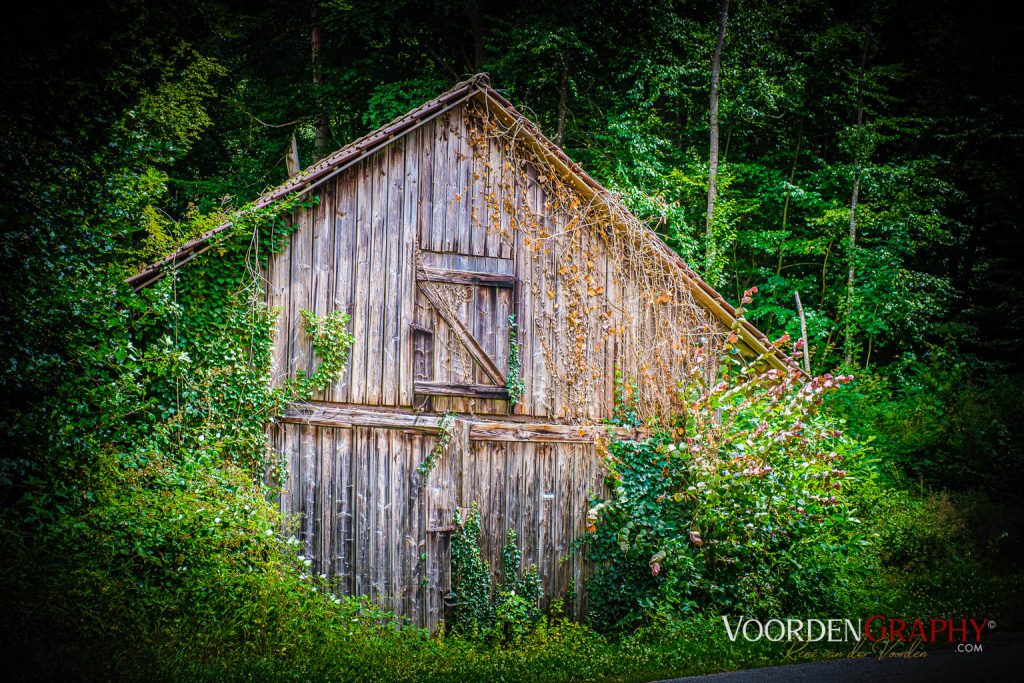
(563, 529)
(502, 309)
(394, 294)
(467, 277)
(542, 333)
(545, 509)
(507, 244)
(343, 509)
(448, 465)
(300, 277)
(278, 292)
(476, 208)
(308, 448)
(391, 540)
(481, 391)
(488, 327)
(345, 265)
(407, 288)
(423, 339)
(582, 453)
(497, 512)
(377, 278)
(524, 302)
(461, 262)
(317, 527)
(360, 416)
(463, 335)
(463, 367)
(439, 198)
(289, 450)
(492, 188)
(361, 290)
(528, 523)
(480, 428)
(322, 266)
(362, 460)
(375, 503)
(451, 228)
(473, 321)
(463, 201)
(404, 539)
(482, 455)
(425, 191)
(515, 453)
(416, 536)
(432, 603)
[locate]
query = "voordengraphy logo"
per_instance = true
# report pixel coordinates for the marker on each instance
(878, 628)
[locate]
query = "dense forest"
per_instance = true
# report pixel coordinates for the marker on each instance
(851, 172)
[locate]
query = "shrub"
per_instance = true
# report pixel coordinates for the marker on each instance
(747, 512)
(504, 613)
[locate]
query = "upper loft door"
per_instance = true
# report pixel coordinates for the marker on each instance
(461, 333)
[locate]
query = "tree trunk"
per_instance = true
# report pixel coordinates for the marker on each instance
(857, 161)
(785, 204)
(476, 25)
(716, 68)
(803, 331)
(291, 158)
(563, 101)
(322, 126)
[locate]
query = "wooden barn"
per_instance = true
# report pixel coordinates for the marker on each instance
(434, 233)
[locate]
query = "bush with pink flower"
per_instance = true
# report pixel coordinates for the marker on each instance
(742, 505)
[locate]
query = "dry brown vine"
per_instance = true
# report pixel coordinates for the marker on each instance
(610, 280)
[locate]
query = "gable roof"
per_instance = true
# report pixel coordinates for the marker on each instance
(479, 87)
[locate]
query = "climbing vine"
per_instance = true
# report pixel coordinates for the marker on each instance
(332, 344)
(604, 284)
(441, 444)
(515, 384)
(470, 596)
(500, 614)
(219, 393)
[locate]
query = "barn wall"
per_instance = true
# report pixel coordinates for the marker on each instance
(367, 521)
(355, 252)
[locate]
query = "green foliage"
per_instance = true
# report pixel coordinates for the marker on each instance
(943, 421)
(625, 397)
(506, 613)
(470, 597)
(514, 383)
(748, 513)
(441, 444)
(332, 343)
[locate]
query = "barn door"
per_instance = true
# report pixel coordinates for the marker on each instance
(438, 493)
(461, 337)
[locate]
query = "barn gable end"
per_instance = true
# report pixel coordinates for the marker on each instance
(431, 234)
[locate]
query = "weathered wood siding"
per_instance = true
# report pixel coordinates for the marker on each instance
(364, 517)
(355, 252)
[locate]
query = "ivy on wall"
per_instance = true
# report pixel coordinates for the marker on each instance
(444, 439)
(217, 393)
(499, 614)
(514, 383)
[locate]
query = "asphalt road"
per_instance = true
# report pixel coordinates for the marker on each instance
(1002, 659)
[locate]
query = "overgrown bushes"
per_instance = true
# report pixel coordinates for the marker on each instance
(492, 614)
(743, 507)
